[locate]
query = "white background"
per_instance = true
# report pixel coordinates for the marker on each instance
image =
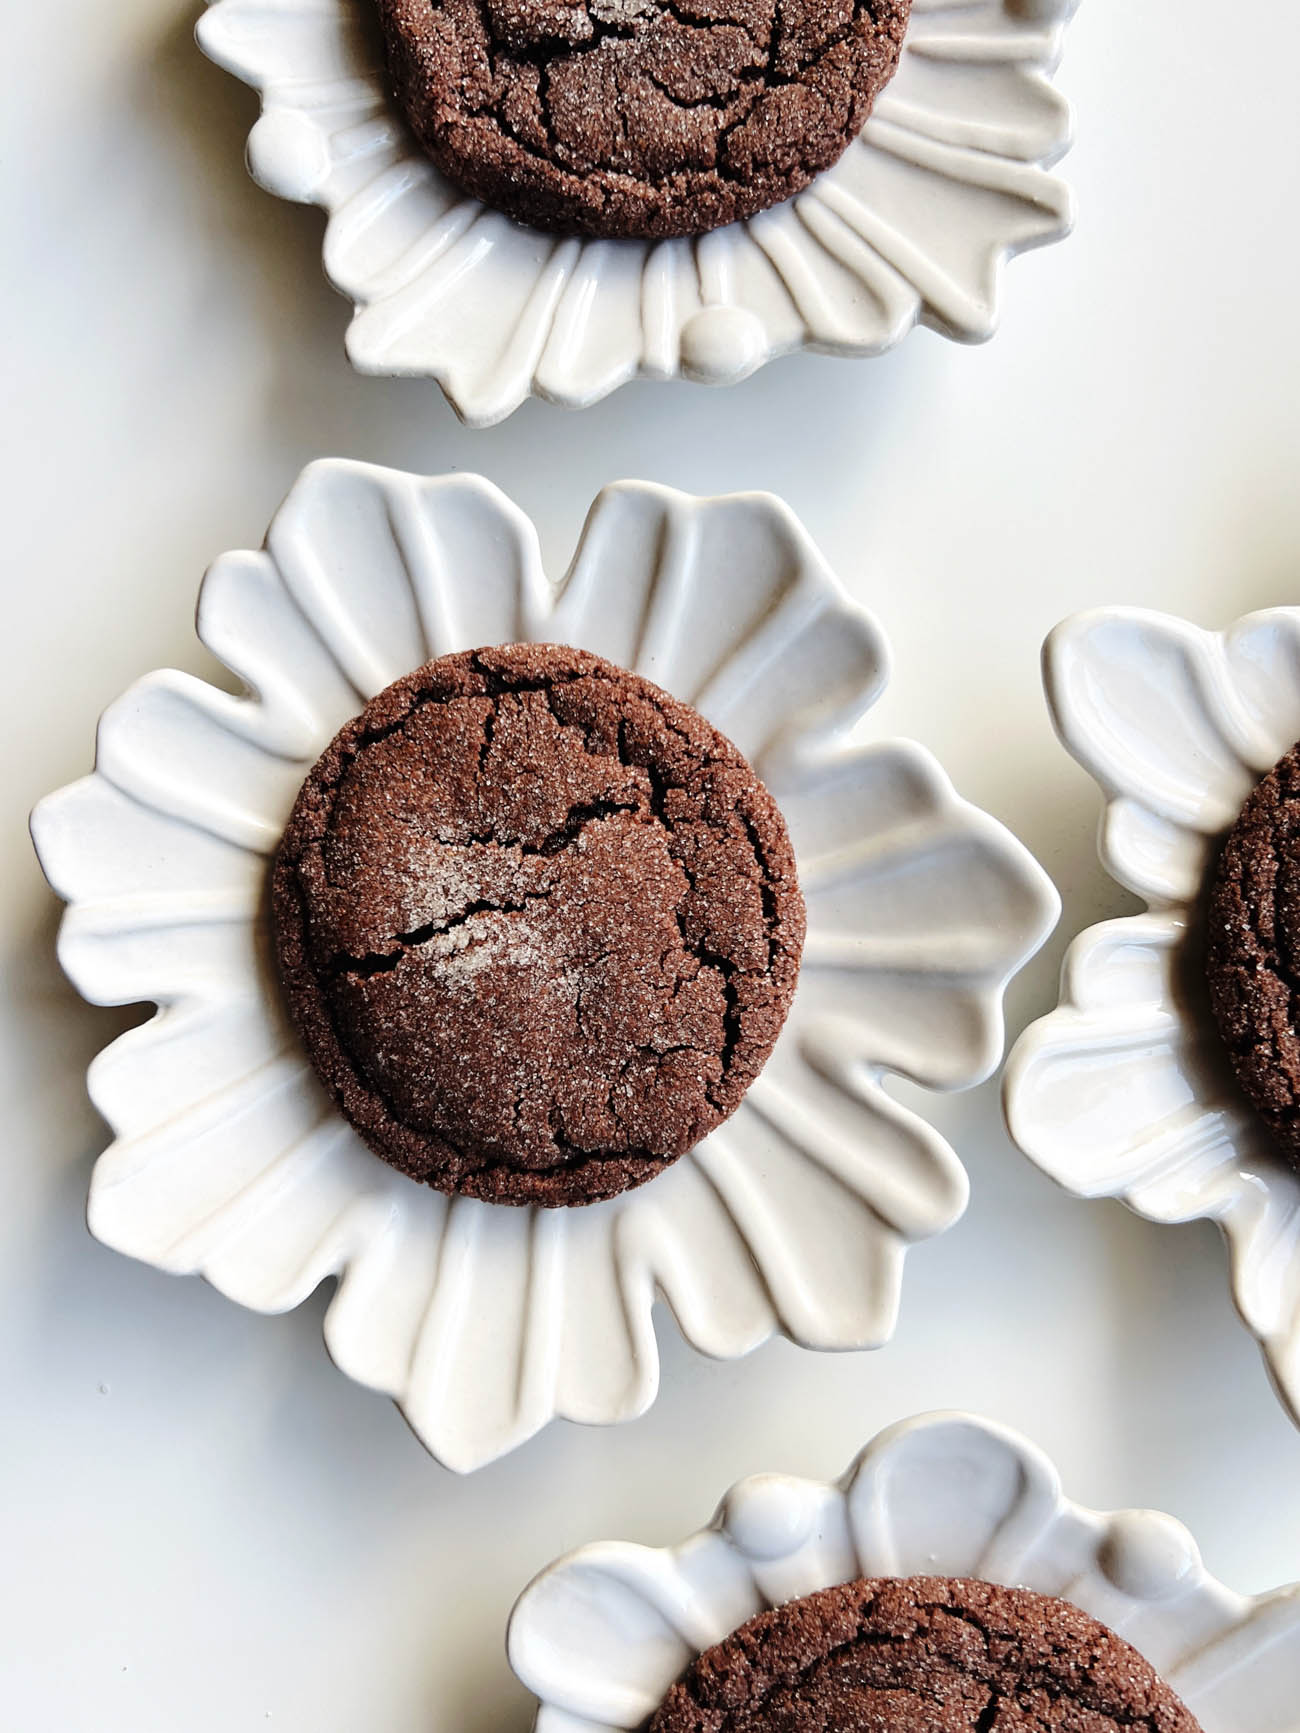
(203, 1527)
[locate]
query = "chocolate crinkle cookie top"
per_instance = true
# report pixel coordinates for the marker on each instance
(922, 1655)
(1253, 950)
(538, 924)
(638, 117)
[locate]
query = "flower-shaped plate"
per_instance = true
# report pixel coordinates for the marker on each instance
(915, 221)
(601, 1635)
(485, 1321)
(1126, 1090)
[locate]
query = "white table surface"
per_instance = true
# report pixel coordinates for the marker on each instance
(203, 1526)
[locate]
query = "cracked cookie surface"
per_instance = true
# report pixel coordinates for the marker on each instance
(538, 924)
(638, 117)
(922, 1655)
(1253, 950)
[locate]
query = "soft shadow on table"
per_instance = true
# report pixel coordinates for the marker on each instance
(80, 1297)
(1190, 1391)
(54, 1036)
(268, 249)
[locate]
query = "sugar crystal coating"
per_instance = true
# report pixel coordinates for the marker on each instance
(638, 117)
(538, 924)
(922, 1655)
(1253, 950)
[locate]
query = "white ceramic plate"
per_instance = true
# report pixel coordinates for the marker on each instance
(915, 222)
(1125, 1090)
(485, 1321)
(600, 1636)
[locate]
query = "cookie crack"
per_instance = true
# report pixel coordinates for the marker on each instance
(496, 685)
(612, 157)
(542, 53)
(766, 886)
(579, 817)
(489, 734)
(984, 1721)
(371, 963)
(1037, 1676)
(573, 1160)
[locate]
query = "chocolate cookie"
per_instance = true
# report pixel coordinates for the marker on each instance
(538, 925)
(922, 1655)
(638, 117)
(1253, 950)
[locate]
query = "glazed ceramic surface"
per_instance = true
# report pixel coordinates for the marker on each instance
(1125, 1090)
(601, 1635)
(915, 222)
(484, 1321)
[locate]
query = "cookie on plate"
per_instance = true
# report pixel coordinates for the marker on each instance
(538, 925)
(1253, 950)
(922, 1655)
(638, 117)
